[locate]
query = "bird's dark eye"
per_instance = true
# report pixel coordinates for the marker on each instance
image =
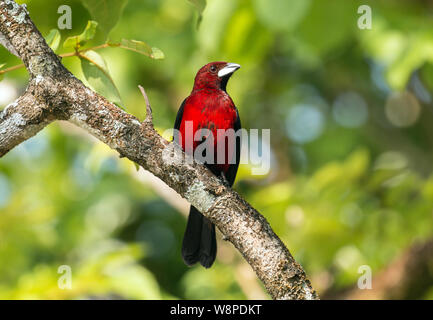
(213, 68)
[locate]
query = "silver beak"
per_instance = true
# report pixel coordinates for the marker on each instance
(228, 69)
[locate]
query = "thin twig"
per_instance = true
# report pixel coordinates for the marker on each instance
(149, 117)
(18, 66)
(63, 55)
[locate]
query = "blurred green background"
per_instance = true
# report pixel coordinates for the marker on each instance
(350, 112)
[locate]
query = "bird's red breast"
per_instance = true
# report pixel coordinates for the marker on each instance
(210, 109)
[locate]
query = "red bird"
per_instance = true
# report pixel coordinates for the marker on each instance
(208, 107)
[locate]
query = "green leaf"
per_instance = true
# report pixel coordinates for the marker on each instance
(96, 72)
(80, 40)
(2, 65)
(418, 51)
(157, 54)
(53, 39)
(137, 167)
(89, 31)
(106, 12)
(142, 48)
(200, 5)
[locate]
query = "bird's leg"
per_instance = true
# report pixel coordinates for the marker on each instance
(224, 180)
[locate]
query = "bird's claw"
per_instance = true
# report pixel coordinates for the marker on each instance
(224, 180)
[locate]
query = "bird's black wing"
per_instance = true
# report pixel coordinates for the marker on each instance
(177, 122)
(199, 240)
(233, 169)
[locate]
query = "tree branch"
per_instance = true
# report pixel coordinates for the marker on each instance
(21, 120)
(54, 93)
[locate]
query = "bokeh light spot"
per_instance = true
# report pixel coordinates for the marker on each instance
(304, 123)
(402, 109)
(8, 92)
(295, 216)
(350, 110)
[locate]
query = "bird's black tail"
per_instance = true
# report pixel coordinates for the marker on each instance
(199, 242)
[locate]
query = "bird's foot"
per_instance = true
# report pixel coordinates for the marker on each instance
(224, 180)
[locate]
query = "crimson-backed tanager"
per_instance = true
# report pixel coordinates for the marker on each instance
(208, 107)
